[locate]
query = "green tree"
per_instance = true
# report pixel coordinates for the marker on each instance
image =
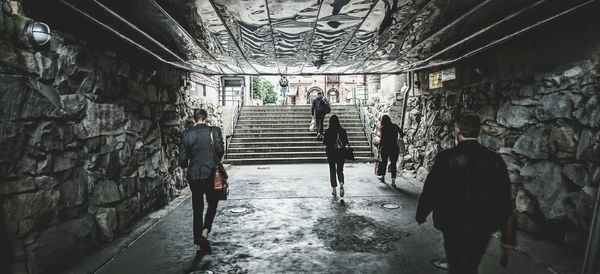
(263, 90)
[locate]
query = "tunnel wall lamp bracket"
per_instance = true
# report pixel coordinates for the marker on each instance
(38, 33)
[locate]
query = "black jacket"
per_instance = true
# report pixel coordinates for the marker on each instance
(389, 138)
(331, 136)
(195, 151)
(468, 189)
(318, 108)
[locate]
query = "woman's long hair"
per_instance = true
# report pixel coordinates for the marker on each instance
(386, 122)
(334, 122)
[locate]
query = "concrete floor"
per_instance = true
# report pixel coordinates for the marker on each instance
(293, 225)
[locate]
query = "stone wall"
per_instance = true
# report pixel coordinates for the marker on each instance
(546, 127)
(88, 142)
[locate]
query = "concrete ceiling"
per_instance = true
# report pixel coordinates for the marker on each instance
(293, 37)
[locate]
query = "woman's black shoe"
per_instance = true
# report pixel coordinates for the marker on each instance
(205, 244)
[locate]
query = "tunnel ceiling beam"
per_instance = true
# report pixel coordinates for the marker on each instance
(231, 36)
(134, 43)
(312, 35)
(415, 66)
(397, 32)
(351, 37)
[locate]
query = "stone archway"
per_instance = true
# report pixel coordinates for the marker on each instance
(312, 94)
(333, 95)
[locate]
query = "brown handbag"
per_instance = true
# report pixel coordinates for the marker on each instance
(220, 184)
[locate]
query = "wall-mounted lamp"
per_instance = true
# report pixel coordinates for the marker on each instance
(38, 33)
(417, 84)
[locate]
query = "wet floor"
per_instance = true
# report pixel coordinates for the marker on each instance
(283, 219)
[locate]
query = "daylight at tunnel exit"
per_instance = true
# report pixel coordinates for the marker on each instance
(299, 136)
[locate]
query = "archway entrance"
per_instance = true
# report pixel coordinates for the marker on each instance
(333, 95)
(312, 94)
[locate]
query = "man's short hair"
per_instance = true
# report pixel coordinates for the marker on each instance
(200, 115)
(469, 125)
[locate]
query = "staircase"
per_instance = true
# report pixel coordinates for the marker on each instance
(280, 135)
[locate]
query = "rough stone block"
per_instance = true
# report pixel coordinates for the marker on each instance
(515, 116)
(73, 104)
(45, 65)
(577, 174)
(28, 210)
(591, 114)
(555, 106)
(127, 213)
(106, 192)
(524, 204)
(17, 186)
(107, 222)
(22, 99)
(49, 136)
(588, 147)
(563, 140)
(65, 161)
(534, 143)
(73, 192)
(545, 182)
(12, 144)
(102, 119)
(61, 245)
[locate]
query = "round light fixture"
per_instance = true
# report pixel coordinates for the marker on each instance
(38, 33)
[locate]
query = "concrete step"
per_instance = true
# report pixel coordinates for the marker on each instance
(292, 116)
(299, 160)
(333, 106)
(290, 144)
(287, 139)
(280, 134)
(354, 126)
(288, 114)
(296, 154)
(284, 133)
(293, 122)
(290, 110)
(295, 128)
(290, 149)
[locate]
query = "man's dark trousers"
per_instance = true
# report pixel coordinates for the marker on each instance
(464, 250)
(200, 189)
(319, 119)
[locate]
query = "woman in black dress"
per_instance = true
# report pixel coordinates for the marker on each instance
(388, 148)
(336, 140)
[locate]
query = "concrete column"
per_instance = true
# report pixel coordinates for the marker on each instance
(373, 85)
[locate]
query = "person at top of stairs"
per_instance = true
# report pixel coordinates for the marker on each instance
(320, 108)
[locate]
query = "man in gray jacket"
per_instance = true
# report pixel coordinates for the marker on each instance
(196, 154)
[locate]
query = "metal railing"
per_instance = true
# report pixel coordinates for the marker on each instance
(234, 119)
(366, 122)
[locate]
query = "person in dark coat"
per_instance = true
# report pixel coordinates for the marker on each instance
(196, 154)
(388, 148)
(468, 191)
(335, 141)
(320, 108)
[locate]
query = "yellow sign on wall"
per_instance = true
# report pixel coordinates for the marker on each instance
(435, 80)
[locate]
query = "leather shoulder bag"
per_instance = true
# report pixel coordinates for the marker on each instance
(220, 184)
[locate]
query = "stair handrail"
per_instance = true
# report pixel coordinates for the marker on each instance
(234, 119)
(366, 122)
